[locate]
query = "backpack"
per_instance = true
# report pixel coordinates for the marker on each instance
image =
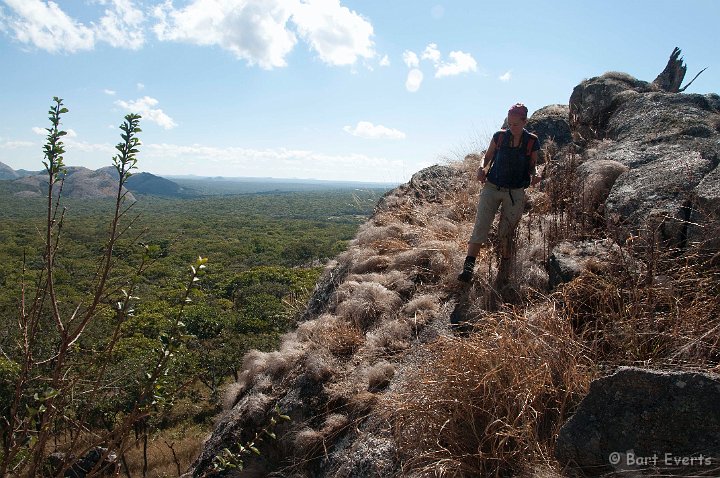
(529, 141)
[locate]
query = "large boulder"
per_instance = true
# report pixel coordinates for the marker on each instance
(551, 123)
(659, 117)
(596, 179)
(670, 142)
(656, 196)
(704, 227)
(592, 102)
(431, 184)
(637, 413)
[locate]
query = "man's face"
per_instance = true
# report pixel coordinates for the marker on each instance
(516, 124)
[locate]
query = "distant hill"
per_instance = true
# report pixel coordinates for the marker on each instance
(147, 183)
(80, 183)
(24, 172)
(6, 172)
(84, 183)
(240, 185)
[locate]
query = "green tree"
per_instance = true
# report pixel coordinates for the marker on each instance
(54, 382)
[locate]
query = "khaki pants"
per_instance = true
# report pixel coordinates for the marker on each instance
(492, 197)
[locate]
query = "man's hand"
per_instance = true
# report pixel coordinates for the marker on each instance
(481, 175)
(535, 180)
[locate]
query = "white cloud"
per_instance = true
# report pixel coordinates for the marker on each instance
(253, 30)
(85, 147)
(461, 63)
(431, 53)
(365, 129)
(15, 144)
(72, 144)
(109, 92)
(140, 86)
(258, 30)
(385, 61)
(145, 107)
(43, 132)
(411, 59)
(506, 76)
(122, 25)
(262, 32)
(47, 27)
(414, 80)
(338, 34)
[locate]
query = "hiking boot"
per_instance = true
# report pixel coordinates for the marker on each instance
(465, 276)
(468, 267)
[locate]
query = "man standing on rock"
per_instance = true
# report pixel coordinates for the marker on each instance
(508, 168)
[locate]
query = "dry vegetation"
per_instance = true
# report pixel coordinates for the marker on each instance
(489, 401)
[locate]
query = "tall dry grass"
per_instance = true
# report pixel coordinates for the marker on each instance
(168, 454)
(490, 404)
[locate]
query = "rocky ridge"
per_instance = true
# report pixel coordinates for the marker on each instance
(639, 161)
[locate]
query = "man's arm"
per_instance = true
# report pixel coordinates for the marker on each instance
(489, 155)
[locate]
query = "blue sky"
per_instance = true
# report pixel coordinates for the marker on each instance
(328, 89)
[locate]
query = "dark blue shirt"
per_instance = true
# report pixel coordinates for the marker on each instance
(511, 167)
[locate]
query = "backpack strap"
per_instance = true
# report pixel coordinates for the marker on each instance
(498, 145)
(530, 144)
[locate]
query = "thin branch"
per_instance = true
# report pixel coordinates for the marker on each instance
(691, 81)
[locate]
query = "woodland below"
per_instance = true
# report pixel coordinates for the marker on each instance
(264, 254)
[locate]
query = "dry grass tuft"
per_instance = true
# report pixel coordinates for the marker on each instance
(319, 367)
(491, 404)
(370, 233)
(442, 228)
(390, 338)
(359, 403)
(308, 442)
(371, 264)
(431, 261)
(397, 281)
(364, 303)
(335, 335)
(335, 423)
(422, 303)
(231, 393)
(275, 363)
(421, 310)
(379, 376)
